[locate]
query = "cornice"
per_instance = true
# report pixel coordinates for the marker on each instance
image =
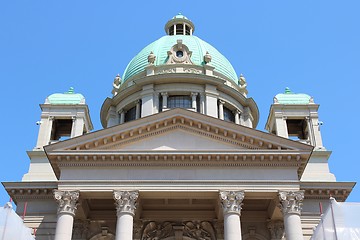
(30, 190)
(324, 190)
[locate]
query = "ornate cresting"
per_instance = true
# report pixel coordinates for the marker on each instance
(67, 201)
(125, 201)
(290, 205)
(231, 201)
(291, 202)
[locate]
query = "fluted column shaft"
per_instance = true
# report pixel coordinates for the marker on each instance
(231, 202)
(125, 202)
(67, 201)
(290, 204)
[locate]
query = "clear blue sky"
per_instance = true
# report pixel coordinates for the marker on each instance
(310, 46)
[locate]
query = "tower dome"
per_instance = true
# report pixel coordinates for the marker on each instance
(179, 70)
(197, 47)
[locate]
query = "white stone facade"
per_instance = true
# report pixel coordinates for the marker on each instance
(179, 158)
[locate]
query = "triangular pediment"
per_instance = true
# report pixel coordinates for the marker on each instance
(177, 129)
(178, 137)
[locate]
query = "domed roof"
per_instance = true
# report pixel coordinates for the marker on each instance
(198, 47)
(69, 97)
(292, 98)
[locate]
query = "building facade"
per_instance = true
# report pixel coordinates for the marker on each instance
(179, 156)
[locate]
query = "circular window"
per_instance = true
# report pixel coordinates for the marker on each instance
(179, 54)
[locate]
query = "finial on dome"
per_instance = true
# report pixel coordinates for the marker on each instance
(70, 91)
(151, 58)
(242, 84)
(116, 84)
(207, 57)
(179, 25)
(288, 91)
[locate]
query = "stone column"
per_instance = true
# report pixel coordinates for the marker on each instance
(237, 116)
(276, 228)
(221, 109)
(67, 201)
(193, 100)
(202, 103)
(137, 109)
(290, 204)
(164, 100)
(122, 116)
(231, 202)
(125, 202)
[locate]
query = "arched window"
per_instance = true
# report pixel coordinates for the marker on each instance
(228, 115)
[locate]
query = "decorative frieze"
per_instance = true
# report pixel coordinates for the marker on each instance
(125, 201)
(276, 228)
(201, 230)
(67, 201)
(231, 201)
(291, 202)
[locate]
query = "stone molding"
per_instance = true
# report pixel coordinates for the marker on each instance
(67, 201)
(231, 201)
(276, 228)
(125, 201)
(291, 202)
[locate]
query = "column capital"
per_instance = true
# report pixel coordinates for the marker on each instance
(276, 228)
(164, 94)
(221, 101)
(231, 201)
(67, 201)
(194, 94)
(291, 202)
(125, 201)
(137, 101)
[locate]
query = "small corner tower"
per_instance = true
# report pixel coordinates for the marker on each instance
(64, 115)
(295, 116)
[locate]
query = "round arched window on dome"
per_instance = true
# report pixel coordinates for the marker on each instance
(179, 54)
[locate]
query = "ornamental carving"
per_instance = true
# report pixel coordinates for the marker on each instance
(125, 201)
(200, 230)
(192, 70)
(291, 202)
(231, 201)
(80, 229)
(179, 53)
(169, 70)
(67, 201)
(276, 229)
(155, 231)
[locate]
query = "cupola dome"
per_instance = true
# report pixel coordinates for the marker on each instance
(200, 52)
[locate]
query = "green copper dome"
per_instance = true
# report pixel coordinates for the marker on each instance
(68, 97)
(292, 98)
(198, 47)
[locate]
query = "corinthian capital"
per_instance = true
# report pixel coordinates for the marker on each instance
(67, 201)
(291, 202)
(125, 201)
(231, 201)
